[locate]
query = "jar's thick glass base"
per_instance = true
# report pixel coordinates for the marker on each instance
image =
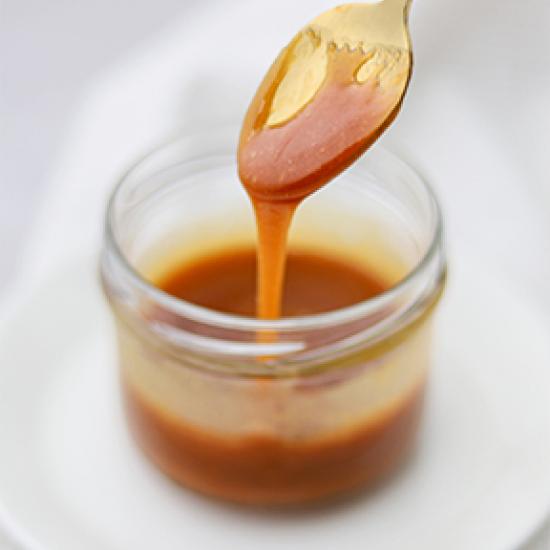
(264, 470)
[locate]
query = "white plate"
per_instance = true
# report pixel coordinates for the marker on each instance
(71, 479)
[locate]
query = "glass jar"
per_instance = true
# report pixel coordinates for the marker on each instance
(325, 404)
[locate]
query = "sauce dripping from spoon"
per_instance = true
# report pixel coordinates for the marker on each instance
(327, 97)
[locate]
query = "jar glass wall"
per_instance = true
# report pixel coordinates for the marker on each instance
(284, 411)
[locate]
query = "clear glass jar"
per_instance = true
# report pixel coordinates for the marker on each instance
(329, 405)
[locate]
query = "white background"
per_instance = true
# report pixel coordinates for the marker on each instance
(497, 52)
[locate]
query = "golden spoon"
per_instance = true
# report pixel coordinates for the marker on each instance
(327, 97)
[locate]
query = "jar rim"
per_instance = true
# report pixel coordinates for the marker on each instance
(284, 324)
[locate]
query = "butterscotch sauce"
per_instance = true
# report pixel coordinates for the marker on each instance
(284, 156)
(287, 162)
(314, 283)
(267, 469)
(293, 445)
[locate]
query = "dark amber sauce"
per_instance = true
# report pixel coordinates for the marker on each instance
(288, 162)
(270, 469)
(280, 166)
(314, 283)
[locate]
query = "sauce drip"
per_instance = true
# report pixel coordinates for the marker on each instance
(320, 106)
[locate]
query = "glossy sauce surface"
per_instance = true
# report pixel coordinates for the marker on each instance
(287, 162)
(314, 283)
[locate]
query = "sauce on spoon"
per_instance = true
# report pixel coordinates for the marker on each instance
(328, 96)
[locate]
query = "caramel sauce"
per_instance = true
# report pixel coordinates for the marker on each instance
(286, 163)
(267, 468)
(314, 283)
(260, 469)
(281, 165)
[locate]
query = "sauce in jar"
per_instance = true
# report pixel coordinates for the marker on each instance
(263, 467)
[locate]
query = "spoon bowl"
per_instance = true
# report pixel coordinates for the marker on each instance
(327, 97)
